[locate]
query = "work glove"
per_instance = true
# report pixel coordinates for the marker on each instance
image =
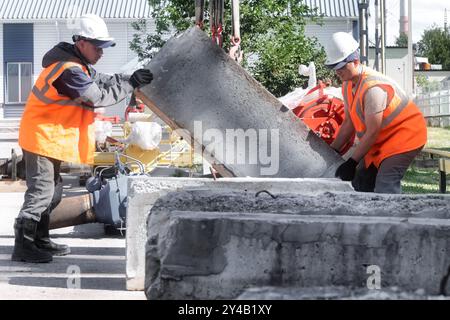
(140, 78)
(346, 171)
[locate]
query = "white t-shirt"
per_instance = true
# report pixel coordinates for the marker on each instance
(375, 101)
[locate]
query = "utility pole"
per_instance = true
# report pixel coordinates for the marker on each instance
(377, 35)
(445, 21)
(383, 36)
(363, 6)
(380, 35)
(410, 67)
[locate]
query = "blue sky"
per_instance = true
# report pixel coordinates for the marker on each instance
(425, 13)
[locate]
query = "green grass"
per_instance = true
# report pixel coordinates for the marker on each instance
(438, 138)
(420, 180)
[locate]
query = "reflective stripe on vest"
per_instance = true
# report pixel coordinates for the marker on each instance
(398, 126)
(55, 126)
(40, 93)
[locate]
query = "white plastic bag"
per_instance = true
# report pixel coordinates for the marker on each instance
(103, 129)
(146, 135)
(299, 95)
(293, 99)
(310, 72)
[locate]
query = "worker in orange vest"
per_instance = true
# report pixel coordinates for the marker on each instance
(390, 127)
(58, 125)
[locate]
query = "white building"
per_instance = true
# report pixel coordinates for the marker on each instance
(337, 16)
(29, 28)
(396, 64)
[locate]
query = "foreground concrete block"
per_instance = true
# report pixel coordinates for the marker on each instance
(198, 87)
(214, 245)
(143, 192)
(334, 293)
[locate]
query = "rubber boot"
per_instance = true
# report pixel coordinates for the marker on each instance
(43, 241)
(25, 248)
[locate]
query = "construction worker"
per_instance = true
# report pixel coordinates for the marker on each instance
(58, 125)
(390, 127)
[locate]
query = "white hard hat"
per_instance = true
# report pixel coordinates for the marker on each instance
(341, 46)
(93, 28)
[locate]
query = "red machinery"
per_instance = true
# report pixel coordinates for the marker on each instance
(135, 106)
(324, 114)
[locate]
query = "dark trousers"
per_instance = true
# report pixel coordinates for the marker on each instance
(387, 178)
(44, 186)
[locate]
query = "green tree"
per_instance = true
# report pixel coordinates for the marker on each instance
(402, 40)
(273, 38)
(435, 45)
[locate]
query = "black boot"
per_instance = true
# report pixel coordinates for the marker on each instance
(43, 241)
(25, 248)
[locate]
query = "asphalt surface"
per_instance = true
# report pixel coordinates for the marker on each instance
(95, 269)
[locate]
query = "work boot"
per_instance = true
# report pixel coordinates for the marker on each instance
(25, 248)
(43, 241)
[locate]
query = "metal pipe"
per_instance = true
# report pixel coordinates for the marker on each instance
(377, 36)
(367, 33)
(410, 84)
(363, 5)
(13, 165)
(236, 20)
(73, 211)
(383, 36)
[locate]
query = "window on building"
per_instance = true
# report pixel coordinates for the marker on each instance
(18, 81)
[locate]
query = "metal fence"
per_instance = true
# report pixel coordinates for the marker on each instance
(435, 104)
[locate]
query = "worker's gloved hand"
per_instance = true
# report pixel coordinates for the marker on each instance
(346, 171)
(140, 78)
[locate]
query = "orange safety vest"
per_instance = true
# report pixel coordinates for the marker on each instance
(55, 126)
(403, 128)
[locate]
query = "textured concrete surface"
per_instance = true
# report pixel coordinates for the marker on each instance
(143, 192)
(210, 245)
(198, 87)
(334, 293)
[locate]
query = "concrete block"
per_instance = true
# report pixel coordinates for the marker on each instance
(334, 293)
(143, 192)
(237, 125)
(214, 245)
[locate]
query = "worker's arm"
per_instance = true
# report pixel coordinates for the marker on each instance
(100, 90)
(345, 133)
(110, 89)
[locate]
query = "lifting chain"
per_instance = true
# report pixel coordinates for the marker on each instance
(216, 8)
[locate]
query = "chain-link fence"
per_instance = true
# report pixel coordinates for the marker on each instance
(435, 104)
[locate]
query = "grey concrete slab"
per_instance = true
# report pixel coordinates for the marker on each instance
(240, 125)
(334, 293)
(143, 192)
(214, 245)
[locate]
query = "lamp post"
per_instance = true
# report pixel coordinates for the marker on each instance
(410, 66)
